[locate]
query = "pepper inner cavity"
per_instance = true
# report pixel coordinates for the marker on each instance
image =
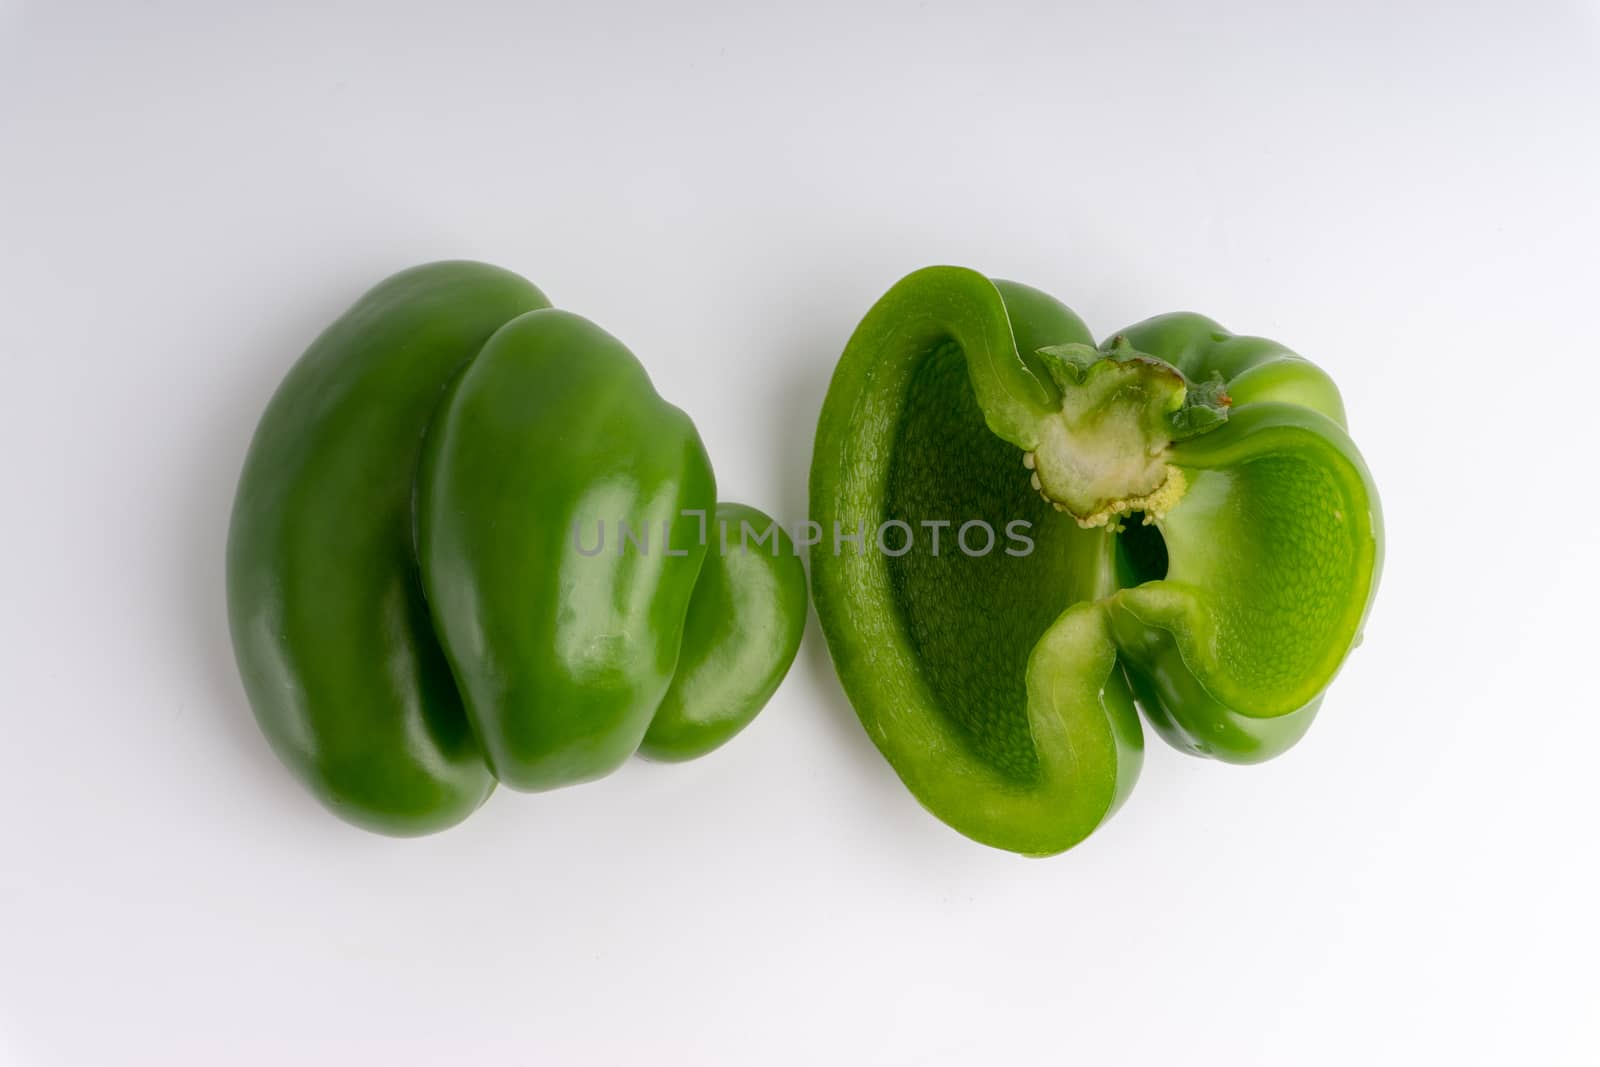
(973, 620)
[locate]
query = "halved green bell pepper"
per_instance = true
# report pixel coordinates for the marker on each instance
(1190, 530)
(543, 435)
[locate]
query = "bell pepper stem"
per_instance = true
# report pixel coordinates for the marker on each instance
(1103, 453)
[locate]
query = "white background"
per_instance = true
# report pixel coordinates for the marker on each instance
(1406, 193)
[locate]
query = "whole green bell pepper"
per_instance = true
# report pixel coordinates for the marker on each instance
(1187, 527)
(543, 435)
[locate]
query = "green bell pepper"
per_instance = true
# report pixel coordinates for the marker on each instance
(1188, 528)
(521, 642)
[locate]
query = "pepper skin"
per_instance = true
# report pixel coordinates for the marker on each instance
(1205, 544)
(329, 626)
(338, 645)
(565, 644)
(721, 682)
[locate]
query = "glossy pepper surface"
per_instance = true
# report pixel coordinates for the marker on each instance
(1198, 537)
(566, 605)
